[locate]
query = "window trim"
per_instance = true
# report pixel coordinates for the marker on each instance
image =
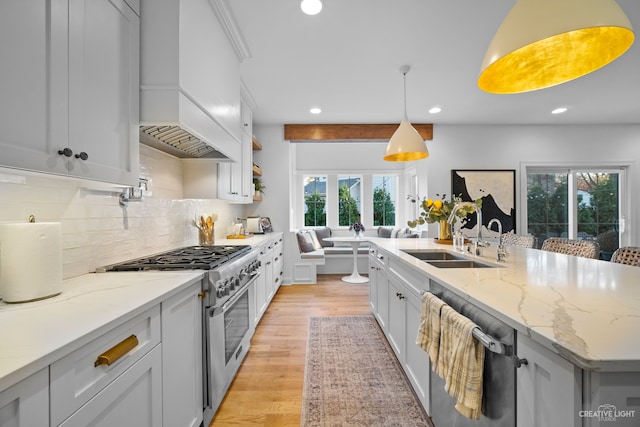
(331, 207)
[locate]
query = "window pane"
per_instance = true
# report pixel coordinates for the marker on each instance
(349, 200)
(315, 198)
(598, 210)
(384, 200)
(547, 205)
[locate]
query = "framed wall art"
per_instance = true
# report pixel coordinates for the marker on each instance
(496, 188)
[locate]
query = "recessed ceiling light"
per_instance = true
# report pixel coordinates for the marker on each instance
(315, 110)
(559, 110)
(311, 7)
(435, 110)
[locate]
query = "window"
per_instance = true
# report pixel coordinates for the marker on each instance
(349, 200)
(384, 200)
(577, 204)
(315, 201)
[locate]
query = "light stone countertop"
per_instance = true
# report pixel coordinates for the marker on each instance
(34, 335)
(588, 311)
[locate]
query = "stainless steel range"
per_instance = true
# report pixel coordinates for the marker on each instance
(228, 307)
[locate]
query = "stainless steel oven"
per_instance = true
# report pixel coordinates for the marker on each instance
(228, 297)
(228, 331)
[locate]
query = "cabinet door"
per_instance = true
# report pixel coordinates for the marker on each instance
(182, 358)
(34, 101)
(548, 388)
(261, 292)
(396, 321)
(103, 92)
(246, 170)
(416, 360)
(228, 174)
(26, 404)
(383, 301)
(133, 399)
(373, 284)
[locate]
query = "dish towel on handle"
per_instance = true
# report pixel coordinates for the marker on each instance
(428, 337)
(461, 362)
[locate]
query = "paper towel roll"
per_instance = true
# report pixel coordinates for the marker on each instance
(30, 261)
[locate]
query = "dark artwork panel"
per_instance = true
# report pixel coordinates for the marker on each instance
(497, 190)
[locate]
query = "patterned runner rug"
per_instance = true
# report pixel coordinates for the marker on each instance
(352, 377)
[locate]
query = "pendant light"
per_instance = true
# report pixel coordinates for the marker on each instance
(405, 144)
(543, 43)
(311, 7)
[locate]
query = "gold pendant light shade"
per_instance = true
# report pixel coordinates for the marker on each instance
(405, 144)
(543, 43)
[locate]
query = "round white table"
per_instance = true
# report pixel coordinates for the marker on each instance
(355, 277)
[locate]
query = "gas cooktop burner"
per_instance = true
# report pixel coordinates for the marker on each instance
(188, 258)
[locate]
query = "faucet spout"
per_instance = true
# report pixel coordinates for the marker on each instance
(479, 243)
(501, 252)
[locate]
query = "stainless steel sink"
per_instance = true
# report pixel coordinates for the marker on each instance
(434, 255)
(445, 259)
(460, 263)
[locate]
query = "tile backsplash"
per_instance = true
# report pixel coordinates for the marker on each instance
(96, 230)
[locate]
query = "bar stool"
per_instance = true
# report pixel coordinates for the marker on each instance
(629, 255)
(518, 240)
(581, 248)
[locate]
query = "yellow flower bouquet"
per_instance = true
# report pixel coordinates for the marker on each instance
(440, 209)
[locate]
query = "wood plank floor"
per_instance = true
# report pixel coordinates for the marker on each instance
(267, 390)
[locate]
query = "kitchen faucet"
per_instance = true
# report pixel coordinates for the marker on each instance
(479, 243)
(501, 252)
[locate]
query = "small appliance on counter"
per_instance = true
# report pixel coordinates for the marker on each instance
(259, 225)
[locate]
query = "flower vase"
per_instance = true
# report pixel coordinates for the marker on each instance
(444, 230)
(357, 234)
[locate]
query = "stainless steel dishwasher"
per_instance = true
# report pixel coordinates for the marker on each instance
(499, 387)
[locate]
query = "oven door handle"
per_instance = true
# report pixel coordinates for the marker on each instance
(223, 308)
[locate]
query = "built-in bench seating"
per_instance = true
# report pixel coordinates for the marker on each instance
(316, 255)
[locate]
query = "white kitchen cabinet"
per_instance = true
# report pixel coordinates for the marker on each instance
(70, 89)
(376, 275)
(548, 388)
(271, 272)
(26, 404)
(78, 377)
(182, 358)
(260, 285)
(235, 178)
(278, 262)
(133, 399)
(104, 56)
(405, 309)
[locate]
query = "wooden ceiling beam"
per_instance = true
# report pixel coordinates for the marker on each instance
(349, 132)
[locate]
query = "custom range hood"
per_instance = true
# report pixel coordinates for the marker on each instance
(189, 81)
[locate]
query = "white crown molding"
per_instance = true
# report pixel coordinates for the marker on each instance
(232, 30)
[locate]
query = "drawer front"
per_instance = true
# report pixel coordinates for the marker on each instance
(75, 378)
(133, 399)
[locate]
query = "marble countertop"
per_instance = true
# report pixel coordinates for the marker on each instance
(588, 311)
(36, 334)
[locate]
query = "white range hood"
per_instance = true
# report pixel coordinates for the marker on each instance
(189, 81)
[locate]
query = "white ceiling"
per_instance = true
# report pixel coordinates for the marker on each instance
(346, 60)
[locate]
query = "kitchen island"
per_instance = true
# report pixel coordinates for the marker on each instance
(577, 315)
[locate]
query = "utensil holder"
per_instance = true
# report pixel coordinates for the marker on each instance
(206, 236)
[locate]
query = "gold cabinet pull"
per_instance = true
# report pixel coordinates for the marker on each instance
(117, 351)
